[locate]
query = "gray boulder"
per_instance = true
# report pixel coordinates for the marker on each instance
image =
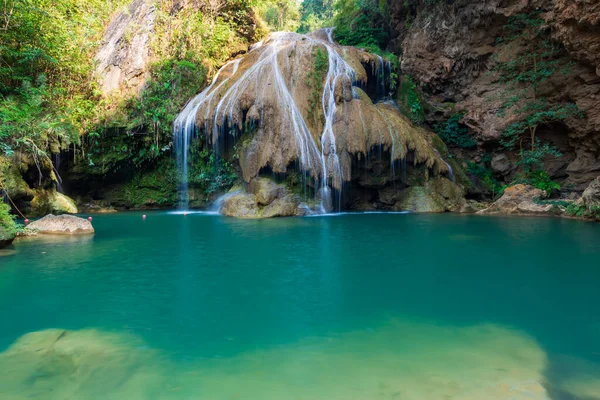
(62, 225)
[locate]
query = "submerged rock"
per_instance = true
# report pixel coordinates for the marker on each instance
(520, 199)
(62, 225)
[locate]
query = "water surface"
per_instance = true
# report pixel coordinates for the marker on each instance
(365, 307)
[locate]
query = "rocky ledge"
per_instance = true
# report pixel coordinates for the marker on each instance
(527, 200)
(62, 225)
(520, 200)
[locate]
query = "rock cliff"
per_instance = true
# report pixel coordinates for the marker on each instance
(452, 49)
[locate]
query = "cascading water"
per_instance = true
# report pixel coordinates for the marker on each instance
(224, 111)
(266, 103)
(338, 69)
(450, 170)
(184, 128)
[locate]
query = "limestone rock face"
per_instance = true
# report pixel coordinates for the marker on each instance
(123, 56)
(265, 200)
(591, 195)
(265, 99)
(62, 225)
(520, 199)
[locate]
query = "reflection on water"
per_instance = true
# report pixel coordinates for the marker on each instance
(400, 360)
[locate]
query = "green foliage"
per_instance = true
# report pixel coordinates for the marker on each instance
(361, 23)
(281, 15)
(455, 134)
(316, 80)
(187, 46)
(30, 122)
(150, 188)
(522, 76)
(8, 226)
(485, 175)
(46, 85)
(210, 173)
(583, 211)
(539, 179)
(315, 14)
(410, 100)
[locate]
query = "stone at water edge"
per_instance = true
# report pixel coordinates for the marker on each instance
(520, 199)
(252, 205)
(591, 195)
(62, 225)
(5, 238)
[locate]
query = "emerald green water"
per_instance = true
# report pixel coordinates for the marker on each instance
(371, 306)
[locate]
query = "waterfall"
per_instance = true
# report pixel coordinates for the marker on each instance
(338, 69)
(267, 97)
(56, 167)
(450, 170)
(184, 129)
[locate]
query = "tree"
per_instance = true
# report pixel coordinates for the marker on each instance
(281, 15)
(315, 14)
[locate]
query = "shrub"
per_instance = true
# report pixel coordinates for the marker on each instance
(455, 134)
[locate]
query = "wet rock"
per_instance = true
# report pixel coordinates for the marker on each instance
(287, 206)
(324, 198)
(520, 199)
(240, 205)
(472, 206)
(62, 225)
(435, 196)
(269, 200)
(52, 202)
(591, 195)
(265, 190)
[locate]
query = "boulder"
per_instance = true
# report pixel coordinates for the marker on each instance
(240, 205)
(62, 225)
(520, 199)
(52, 202)
(501, 164)
(591, 195)
(434, 196)
(266, 199)
(265, 190)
